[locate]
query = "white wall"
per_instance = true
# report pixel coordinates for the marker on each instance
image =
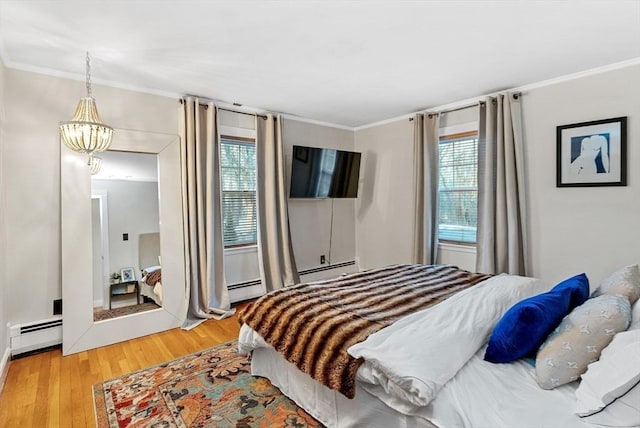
(571, 230)
(4, 336)
(133, 209)
(35, 104)
(96, 251)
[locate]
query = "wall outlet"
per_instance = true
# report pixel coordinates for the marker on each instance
(57, 307)
(323, 259)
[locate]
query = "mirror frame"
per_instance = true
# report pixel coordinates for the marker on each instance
(79, 331)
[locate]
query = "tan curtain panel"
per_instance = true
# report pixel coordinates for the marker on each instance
(275, 253)
(501, 190)
(425, 154)
(202, 210)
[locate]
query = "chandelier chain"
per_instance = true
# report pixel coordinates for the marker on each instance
(88, 76)
(85, 132)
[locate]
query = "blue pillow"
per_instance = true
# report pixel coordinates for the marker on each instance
(524, 327)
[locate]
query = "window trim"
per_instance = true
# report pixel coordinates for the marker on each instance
(228, 135)
(463, 130)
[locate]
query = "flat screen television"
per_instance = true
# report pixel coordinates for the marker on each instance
(324, 173)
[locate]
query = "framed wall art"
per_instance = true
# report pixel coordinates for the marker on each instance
(127, 274)
(592, 153)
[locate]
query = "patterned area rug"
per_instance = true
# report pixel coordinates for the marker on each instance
(105, 314)
(212, 388)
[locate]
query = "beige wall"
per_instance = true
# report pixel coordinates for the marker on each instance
(36, 104)
(586, 229)
(571, 230)
(312, 231)
(31, 168)
(384, 211)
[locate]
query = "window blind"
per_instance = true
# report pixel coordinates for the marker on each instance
(238, 174)
(458, 189)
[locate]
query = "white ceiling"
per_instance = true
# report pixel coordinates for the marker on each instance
(342, 62)
(127, 166)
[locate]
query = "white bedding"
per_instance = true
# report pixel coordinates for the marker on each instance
(427, 370)
(326, 405)
(484, 394)
(154, 293)
(433, 353)
(480, 395)
(407, 363)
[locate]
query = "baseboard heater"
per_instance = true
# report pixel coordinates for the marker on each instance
(243, 284)
(302, 272)
(327, 267)
(35, 336)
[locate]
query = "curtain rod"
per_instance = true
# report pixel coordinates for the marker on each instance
(243, 112)
(232, 111)
(515, 96)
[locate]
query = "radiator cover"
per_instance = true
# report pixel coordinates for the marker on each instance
(28, 337)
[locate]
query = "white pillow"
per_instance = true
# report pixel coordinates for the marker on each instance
(635, 316)
(609, 392)
(150, 269)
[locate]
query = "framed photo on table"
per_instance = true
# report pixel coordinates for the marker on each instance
(592, 153)
(127, 274)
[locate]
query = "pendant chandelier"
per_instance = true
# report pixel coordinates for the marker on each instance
(86, 133)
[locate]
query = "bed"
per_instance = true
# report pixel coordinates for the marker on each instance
(150, 269)
(422, 368)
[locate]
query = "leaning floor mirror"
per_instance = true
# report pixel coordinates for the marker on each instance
(123, 270)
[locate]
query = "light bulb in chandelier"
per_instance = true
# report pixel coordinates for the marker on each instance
(85, 132)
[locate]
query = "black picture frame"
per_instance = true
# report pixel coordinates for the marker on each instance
(590, 154)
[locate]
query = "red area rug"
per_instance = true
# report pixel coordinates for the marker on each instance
(212, 388)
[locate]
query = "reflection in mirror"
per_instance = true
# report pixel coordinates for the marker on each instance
(80, 331)
(126, 235)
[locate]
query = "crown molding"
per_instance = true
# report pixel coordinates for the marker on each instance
(524, 88)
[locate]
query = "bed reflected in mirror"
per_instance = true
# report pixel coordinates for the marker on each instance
(125, 225)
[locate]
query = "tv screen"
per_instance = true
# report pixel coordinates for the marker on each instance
(324, 173)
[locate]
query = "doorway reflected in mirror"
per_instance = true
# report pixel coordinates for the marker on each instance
(125, 235)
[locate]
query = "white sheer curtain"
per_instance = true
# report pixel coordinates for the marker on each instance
(501, 242)
(275, 253)
(202, 211)
(425, 154)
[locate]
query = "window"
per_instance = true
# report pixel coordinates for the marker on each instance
(238, 171)
(458, 187)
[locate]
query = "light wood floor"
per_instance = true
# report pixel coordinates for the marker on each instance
(49, 390)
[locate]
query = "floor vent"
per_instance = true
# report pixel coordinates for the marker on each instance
(34, 336)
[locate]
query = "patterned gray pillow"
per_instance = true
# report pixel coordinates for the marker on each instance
(580, 338)
(625, 282)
